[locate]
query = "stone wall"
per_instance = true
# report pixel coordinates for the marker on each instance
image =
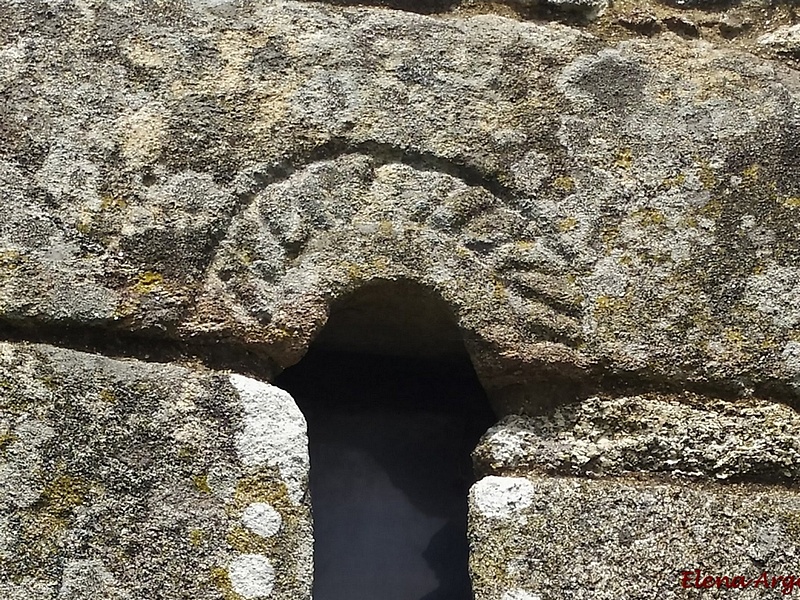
(130, 480)
(605, 198)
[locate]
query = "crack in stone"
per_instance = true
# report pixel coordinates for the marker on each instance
(229, 355)
(210, 352)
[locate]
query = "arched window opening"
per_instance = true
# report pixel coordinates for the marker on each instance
(394, 410)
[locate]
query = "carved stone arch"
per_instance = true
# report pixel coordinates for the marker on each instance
(301, 245)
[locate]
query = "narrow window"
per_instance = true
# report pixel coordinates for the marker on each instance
(394, 410)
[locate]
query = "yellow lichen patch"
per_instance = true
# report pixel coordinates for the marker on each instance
(751, 173)
(734, 337)
(608, 305)
(84, 224)
(375, 267)
(791, 201)
(247, 542)
(773, 187)
(10, 259)
(609, 235)
(220, 578)
(499, 290)
(624, 158)
(665, 95)
(354, 272)
(264, 487)
(689, 221)
(6, 439)
(567, 224)
(650, 217)
(260, 488)
(707, 176)
(711, 209)
(64, 493)
(603, 303)
(677, 181)
(768, 343)
(701, 320)
(245, 257)
(108, 396)
(658, 258)
(201, 483)
(564, 183)
(197, 537)
(148, 282)
(113, 202)
(125, 308)
(51, 382)
(462, 252)
(41, 533)
(186, 453)
(379, 264)
(278, 334)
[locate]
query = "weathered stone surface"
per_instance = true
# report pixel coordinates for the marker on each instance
(784, 40)
(605, 206)
(681, 436)
(230, 169)
(616, 497)
(128, 480)
(590, 9)
(552, 538)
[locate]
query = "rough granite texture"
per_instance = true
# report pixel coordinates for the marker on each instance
(585, 205)
(683, 436)
(127, 480)
(551, 538)
(603, 197)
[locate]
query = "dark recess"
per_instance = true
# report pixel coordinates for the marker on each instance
(394, 410)
(390, 439)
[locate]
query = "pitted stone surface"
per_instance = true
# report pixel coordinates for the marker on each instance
(122, 480)
(617, 539)
(784, 40)
(685, 436)
(520, 595)
(230, 169)
(611, 201)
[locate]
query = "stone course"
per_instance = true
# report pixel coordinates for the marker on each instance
(604, 197)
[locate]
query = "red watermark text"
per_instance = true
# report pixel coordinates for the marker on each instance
(696, 579)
